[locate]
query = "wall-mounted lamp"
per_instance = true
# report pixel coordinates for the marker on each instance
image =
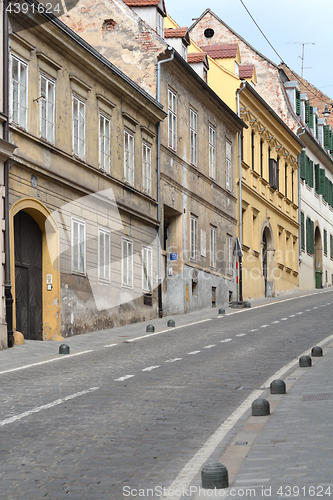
(326, 111)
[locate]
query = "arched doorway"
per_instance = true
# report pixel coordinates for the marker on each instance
(28, 276)
(267, 247)
(318, 257)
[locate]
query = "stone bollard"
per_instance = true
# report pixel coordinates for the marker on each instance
(171, 323)
(278, 387)
(305, 361)
(214, 475)
(150, 328)
(316, 351)
(64, 349)
(260, 408)
(221, 311)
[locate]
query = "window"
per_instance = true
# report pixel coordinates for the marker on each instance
(46, 108)
(252, 149)
(229, 255)
(103, 255)
(228, 166)
(309, 236)
(285, 180)
(78, 127)
(273, 173)
(160, 24)
(212, 152)
(193, 136)
(172, 119)
(127, 263)
(261, 158)
(194, 237)
(78, 246)
(104, 142)
(129, 157)
(325, 242)
(184, 51)
(19, 87)
(146, 168)
(236, 68)
(212, 246)
(331, 246)
(147, 269)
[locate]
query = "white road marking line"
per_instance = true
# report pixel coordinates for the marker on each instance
(254, 330)
(172, 360)
(264, 326)
(209, 346)
(292, 316)
(284, 319)
(307, 310)
(190, 470)
(226, 340)
(110, 345)
(299, 313)
(240, 334)
(47, 406)
(275, 322)
(193, 352)
(121, 379)
(315, 307)
(328, 303)
(150, 368)
(63, 356)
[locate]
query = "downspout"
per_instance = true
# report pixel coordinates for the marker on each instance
(159, 211)
(299, 205)
(240, 193)
(7, 284)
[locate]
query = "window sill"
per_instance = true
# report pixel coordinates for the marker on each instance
(128, 287)
(255, 174)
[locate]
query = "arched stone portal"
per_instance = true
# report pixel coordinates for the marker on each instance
(267, 255)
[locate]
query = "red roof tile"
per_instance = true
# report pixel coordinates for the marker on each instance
(141, 3)
(221, 51)
(196, 57)
(175, 32)
(246, 70)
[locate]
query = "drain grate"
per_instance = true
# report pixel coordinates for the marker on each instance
(318, 397)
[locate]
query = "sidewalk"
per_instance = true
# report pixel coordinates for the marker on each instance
(288, 454)
(33, 351)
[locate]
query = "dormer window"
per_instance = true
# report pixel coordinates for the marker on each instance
(205, 75)
(184, 51)
(236, 68)
(160, 24)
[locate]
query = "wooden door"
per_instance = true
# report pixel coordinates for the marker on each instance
(28, 276)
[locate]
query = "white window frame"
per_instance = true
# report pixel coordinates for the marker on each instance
(46, 103)
(147, 269)
(212, 232)
(81, 243)
(229, 255)
(194, 137)
(236, 68)
(127, 263)
(172, 120)
(104, 253)
(79, 147)
(212, 152)
(146, 168)
(228, 169)
(22, 102)
(184, 51)
(104, 148)
(160, 24)
(193, 237)
(129, 151)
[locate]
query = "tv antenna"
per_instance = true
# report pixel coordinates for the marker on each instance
(302, 57)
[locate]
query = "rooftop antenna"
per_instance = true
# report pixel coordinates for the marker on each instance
(302, 43)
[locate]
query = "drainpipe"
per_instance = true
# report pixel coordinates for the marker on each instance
(240, 194)
(7, 284)
(159, 211)
(299, 204)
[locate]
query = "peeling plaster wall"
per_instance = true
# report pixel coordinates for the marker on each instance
(269, 85)
(121, 36)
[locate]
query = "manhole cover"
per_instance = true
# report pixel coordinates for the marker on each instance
(318, 397)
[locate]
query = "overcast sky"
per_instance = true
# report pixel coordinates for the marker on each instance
(282, 21)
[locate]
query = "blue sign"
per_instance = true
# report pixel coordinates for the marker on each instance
(173, 256)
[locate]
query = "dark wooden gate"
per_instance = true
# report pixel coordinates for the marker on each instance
(264, 260)
(28, 276)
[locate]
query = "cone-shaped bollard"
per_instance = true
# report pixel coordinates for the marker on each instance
(278, 387)
(214, 475)
(221, 311)
(150, 328)
(171, 323)
(316, 351)
(64, 349)
(260, 408)
(305, 361)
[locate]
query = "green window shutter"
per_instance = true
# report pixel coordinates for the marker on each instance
(330, 140)
(326, 189)
(302, 164)
(312, 237)
(307, 112)
(326, 136)
(308, 229)
(316, 126)
(302, 232)
(307, 170)
(310, 167)
(321, 181)
(298, 102)
(311, 116)
(317, 167)
(325, 241)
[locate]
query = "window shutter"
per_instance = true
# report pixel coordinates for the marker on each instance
(317, 168)
(310, 166)
(308, 234)
(326, 136)
(298, 102)
(312, 236)
(307, 112)
(302, 232)
(321, 181)
(311, 116)
(325, 242)
(316, 126)
(302, 164)
(330, 140)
